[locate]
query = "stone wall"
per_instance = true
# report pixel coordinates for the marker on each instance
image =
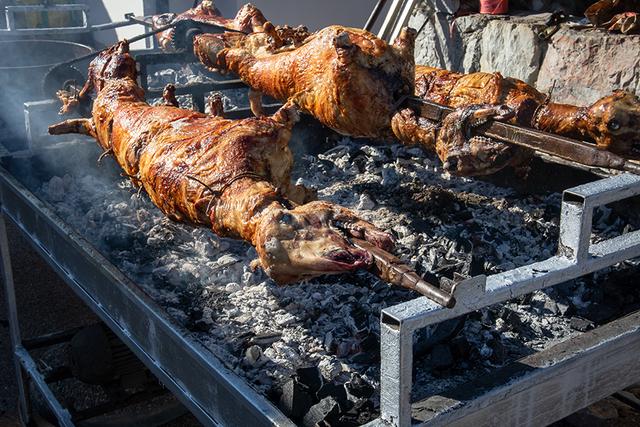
(577, 65)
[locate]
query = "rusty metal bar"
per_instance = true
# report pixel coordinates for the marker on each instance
(393, 271)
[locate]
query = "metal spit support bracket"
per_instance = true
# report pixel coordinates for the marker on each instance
(576, 257)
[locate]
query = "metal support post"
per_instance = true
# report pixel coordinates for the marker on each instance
(395, 372)
(14, 325)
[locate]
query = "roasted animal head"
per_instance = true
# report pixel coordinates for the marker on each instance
(614, 123)
(465, 154)
(312, 240)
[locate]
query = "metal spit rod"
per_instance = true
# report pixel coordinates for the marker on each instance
(393, 271)
(374, 14)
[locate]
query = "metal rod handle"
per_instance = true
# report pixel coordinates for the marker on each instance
(374, 14)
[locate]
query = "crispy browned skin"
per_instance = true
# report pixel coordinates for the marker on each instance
(612, 122)
(353, 82)
(230, 175)
(347, 78)
(248, 19)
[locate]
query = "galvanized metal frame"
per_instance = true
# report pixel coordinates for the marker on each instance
(214, 394)
(576, 257)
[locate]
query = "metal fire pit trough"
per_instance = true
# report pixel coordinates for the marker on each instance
(537, 390)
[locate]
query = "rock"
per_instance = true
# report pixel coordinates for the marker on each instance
(330, 368)
(447, 6)
(337, 391)
(285, 319)
(582, 66)
(441, 357)
(389, 176)
(434, 45)
(511, 48)
(551, 306)
(253, 355)
(295, 401)
(577, 65)
(326, 411)
(265, 339)
(564, 309)
(365, 202)
(357, 388)
(232, 287)
(580, 324)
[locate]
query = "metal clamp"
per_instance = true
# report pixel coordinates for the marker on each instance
(576, 257)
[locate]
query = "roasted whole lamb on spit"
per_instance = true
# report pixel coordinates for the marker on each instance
(230, 175)
(612, 122)
(354, 83)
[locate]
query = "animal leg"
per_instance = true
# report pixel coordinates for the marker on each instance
(169, 96)
(255, 101)
(216, 105)
(81, 126)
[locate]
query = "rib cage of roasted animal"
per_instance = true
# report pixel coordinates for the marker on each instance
(230, 175)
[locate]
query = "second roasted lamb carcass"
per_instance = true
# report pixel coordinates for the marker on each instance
(348, 79)
(612, 122)
(354, 83)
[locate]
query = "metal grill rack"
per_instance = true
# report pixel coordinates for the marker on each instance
(524, 397)
(578, 371)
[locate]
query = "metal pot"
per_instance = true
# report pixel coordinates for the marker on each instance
(23, 65)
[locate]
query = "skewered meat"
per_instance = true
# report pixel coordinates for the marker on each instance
(230, 175)
(248, 19)
(603, 12)
(613, 122)
(353, 82)
(347, 78)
